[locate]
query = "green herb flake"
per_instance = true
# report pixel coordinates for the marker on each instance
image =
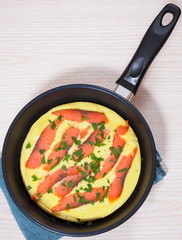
(89, 188)
(123, 170)
(64, 168)
(95, 167)
(28, 145)
(70, 184)
(29, 187)
(97, 195)
(58, 162)
(77, 191)
(67, 206)
(104, 174)
(43, 160)
(63, 184)
(116, 152)
(74, 198)
(101, 123)
(66, 158)
(38, 195)
(94, 125)
(77, 142)
(91, 143)
(111, 160)
(41, 151)
(83, 173)
(79, 154)
(92, 202)
(101, 128)
(35, 178)
(50, 190)
(59, 118)
(53, 125)
(49, 161)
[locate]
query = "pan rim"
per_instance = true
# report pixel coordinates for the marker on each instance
(107, 228)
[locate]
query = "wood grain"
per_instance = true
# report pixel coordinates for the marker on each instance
(45, 44)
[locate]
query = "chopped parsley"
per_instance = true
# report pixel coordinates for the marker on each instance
(28, 145)
(77, 142)
(41, 151)
(94, 125)
(88, 188)
(66, 158)
(58, 162)
(29, 187)
(38, 195)
(67, 206)
(43, 160)
(59, 118)
(70, 184)
(50, 190)
(49, 161)
(63, 145)
(53, 125)
(64, 168)
(79, 154)
(123, 170)
(97, 195)
(35, 178)
(74, 198)
(101, 128)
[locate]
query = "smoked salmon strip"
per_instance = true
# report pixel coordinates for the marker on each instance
(77, 199)
(43, 144)
(117, 146)
(79, 115)
(88, 146)
(122, 130)
(51, 180)
(60, 149)
(67, 185)
(121, 171)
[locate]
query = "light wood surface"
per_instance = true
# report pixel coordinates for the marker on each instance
(44, 44)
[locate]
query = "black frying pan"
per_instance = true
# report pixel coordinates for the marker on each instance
(152, 42)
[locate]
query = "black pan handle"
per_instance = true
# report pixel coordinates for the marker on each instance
(152, 42)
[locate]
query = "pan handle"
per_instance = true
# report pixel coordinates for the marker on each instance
(152, 42)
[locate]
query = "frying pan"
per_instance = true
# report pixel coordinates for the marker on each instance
(128, 84)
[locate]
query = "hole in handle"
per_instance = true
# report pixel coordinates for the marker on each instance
(167, 19)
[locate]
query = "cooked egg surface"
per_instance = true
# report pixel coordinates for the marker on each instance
(85, 211)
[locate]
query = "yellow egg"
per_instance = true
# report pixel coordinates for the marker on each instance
(87, 211)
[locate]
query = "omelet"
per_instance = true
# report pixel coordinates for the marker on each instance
(80, 160)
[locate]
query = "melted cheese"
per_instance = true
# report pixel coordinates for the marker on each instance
(88, 211)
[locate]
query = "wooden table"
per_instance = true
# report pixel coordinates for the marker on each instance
(44, 44)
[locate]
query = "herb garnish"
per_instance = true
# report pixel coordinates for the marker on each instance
(123, 170)
(53, 125)
(41, 151)
(94, 125)
(50, 190)
(28, 145)
(59, 118)
(77, 142)
(29, 187)
(35, 178)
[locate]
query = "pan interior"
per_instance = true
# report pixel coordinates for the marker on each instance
(40, 105)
